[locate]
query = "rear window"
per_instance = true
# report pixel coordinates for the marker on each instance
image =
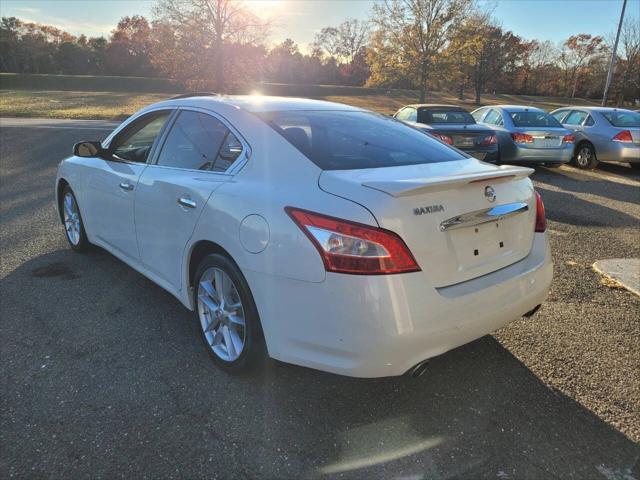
(343, 140)
(450, 116)
(533, 119)
(622, 119)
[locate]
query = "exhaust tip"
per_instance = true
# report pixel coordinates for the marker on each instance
(419, 369)
(532, 312)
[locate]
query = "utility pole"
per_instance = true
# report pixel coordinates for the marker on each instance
(612, 62)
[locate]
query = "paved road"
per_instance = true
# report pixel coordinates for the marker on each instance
(103, 375)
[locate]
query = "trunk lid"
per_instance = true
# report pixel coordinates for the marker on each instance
(442, 213)
(544, 137)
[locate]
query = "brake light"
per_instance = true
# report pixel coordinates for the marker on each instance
(350, 247)
(521, 137)
(541, 219)
(445, 138)
(623, 136)
(568, 138)
(488, 140)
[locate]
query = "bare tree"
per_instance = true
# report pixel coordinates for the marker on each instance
(630, 41)
(577, 51)
(412, 34)
(345, 40)
(221, 22)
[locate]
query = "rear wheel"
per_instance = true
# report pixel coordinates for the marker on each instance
(228, 316)
(585, 157)
(72, 221)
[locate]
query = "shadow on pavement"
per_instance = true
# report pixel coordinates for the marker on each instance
(104, 375)
(577, 181)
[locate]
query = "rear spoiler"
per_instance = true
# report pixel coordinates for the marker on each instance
(415, 186)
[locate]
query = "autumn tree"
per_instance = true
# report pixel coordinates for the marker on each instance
(409, 37)
(345, 41)
(576, 52)
(628, 66)
(203, 31)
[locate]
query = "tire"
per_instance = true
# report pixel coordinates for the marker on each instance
(635, 165)
(220, 323)
(553, 165)
(585, 157)
(72, 221)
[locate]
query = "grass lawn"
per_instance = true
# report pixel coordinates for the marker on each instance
(119, 105)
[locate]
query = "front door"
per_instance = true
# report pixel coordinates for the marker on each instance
(173, 191)
(114, 180)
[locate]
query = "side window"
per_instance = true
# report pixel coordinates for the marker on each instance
(589, 122)
(477, 115)
(559, 115)
(195, 142)
(229, 152)
(408, 114)
(494, 118)
(576, 117)
(136, 141)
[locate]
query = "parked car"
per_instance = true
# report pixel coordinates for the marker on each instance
(602, 134)
(527, 135)
(454, 126)
(325, 235)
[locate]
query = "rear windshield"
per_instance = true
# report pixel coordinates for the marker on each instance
(533, 119)
(622, 119)
(343, 140)
(450, 116)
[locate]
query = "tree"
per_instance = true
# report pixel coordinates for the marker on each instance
(577, 50)
(208, 27)
(629, 65)
(409, 37)
(344, 41)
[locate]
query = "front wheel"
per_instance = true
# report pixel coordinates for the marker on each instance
(72, 221)
(585, 157)
(228, 316)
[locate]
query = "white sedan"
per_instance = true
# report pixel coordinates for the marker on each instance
(312, 232)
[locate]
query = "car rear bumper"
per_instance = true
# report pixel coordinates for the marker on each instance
(619, 152)
(376, 326)
(542, 155)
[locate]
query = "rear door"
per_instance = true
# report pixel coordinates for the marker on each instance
(109, 200)
(193, 162)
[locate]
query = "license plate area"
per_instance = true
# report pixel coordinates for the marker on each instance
(483, 244)
(463, 141)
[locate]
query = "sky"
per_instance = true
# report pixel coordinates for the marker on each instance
(300, 20)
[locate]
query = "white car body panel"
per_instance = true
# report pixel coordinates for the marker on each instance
(358, 325)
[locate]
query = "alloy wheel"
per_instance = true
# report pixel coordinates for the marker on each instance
(71, 216)
(221, 314)
(584, 156)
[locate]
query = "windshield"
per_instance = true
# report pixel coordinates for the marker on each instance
(343, 140)
(622, 119)
(533, 119)
(450, 116)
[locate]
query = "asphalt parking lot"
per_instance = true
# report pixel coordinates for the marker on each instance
(103, 374)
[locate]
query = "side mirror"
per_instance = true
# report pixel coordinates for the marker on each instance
(88, 149)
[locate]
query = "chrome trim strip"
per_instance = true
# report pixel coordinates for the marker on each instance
(485, 215)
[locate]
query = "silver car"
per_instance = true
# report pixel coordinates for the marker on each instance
(602, 134)
(527, 135)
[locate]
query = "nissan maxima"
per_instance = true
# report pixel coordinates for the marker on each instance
(527, 135)
(315, 233)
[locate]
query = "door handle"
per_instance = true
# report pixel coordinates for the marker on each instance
(127, 187)
(186, 202)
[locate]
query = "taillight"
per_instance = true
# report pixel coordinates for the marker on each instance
(568, 138)
(488, 140)
(623, 136)
(541, 219)
(521, 137)
(445, 138)
(350, 247)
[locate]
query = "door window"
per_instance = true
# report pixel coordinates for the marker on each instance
(198, 141)
(559, 115)
(589, 122)
(477, 115)
(576, 117)
(494, 118)
(408, 115)
(135, 142)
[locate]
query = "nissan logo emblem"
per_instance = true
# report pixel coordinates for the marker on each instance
(490, 194)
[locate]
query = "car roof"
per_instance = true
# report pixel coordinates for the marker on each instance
(436, 105)
(595, 109)
(516, 108)
(258, 103)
